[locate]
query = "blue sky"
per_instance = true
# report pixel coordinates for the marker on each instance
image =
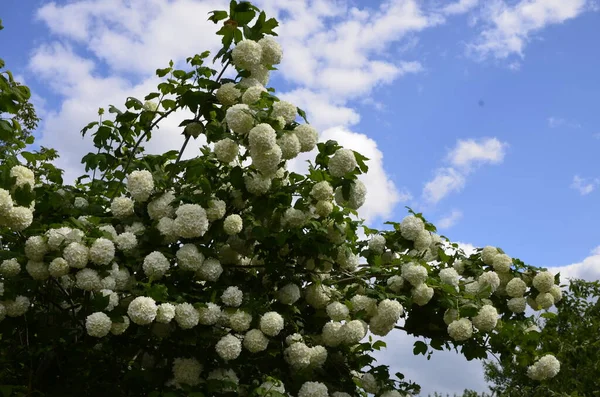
(515, 81)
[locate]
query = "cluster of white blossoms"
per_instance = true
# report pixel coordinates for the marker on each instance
(545, 368)
(140, 185)
(17, 218)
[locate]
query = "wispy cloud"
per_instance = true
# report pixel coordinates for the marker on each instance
(558, 122)
(585, 185)
(450, 220)
(463, 159)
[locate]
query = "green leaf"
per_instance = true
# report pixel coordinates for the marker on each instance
(217, 16)
(302, 114)
(420, 347)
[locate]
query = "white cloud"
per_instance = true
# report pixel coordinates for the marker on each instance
(446, 181)
(463, 158)
(509, 27)
(450, 220)
(471, 152)
(588, 269)
(556, 122)
(460, 7)
(585, 185)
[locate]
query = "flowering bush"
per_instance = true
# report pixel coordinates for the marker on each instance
(227, 273)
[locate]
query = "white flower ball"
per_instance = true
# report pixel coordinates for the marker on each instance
(369, 383)
(216, 209)
(422, 294)
(450, 315)
(252, 94)
(460, 330)
(110, 229)
(255, 341)
(239, 118)
(113, 299)
(6, 202)
(142, 310)
(364, 303)
(269, 388)
(122, 207)
(486, 319)
(286, 110)
(150, 106)
(313, 389)
(23, 175)
(288, 294)
(226, 150)
(545, 368)
(488, 254)
(88, 280)
(395, 283)
(186, 315)
(232, 297)
(187, 371)
(289, 145)
(267, 162)
(262, 138)
(293, 218)
(136, 228)
(322, 191)
(517, 305)
(271, 323)
(411, 227)
(297, 355)
(126, 241)
(37, 270)
(80, 202)
(502, 263)
(342, 162)
(271, 51)
(119, 328)
(307, 136)
(161, 207)
(257, 184)
(165, 313)
(189, 257)
(166, 227)
(210, 314)
(459, 266)
(108, 282)
(318, 296)
(36, 248)
(353, 332)
(240, 321)
(102, 251)
(449, 276)
(246, 54)
(233, 224)
(17, 307)
(140, 185)
(229, 347)
(155, 265)
(121, 277)
(337, 311)
(490, 279)
(19, 218)
(377, 244)
(224, 375)
(98, 324)
(191, 221)
(356, 198)
(556, 293)
(58, 267)
(293, 338)
(543, 281)
(413, 273)
(228, 94)
(210, 270)
(545, 300)
(323, 208)
(516, 288)
(331, 333)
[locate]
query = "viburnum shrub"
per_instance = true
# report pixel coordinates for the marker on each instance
(226, 273)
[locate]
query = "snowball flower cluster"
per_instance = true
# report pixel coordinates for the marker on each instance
(37, 270)
(102, 251)
(88, 280)
(232, 297)
(337, 311)
(226, 150)
(189, 258)
(388, 313)
(155, 265)
(288, 294)
(98, 324)
(422, 294)
(356, 196)
(140, 185)
(228, 347)
(449, 276)
(255, 341)
(122, 207)
(126, 241)
(395, 283)
(414, 273)
(322, 191)
(228, 94)
(36, 248)
(142, 310)
(502, 263)
(239, 118)
(17, 307)
(293, 218)
(516, 288)
(307, 136)
(191, 221)
(240, 321)
(545, 368)
(187, 371)
(210, 270)
(271, 51)
(313, 389)
(257, 184)
(19, 218)
(490, 279)
(252, 94)
(377, 244)
(286, 110)
(246, 54)
(486, 319)
(488, 254)
(119, 328)
(10, 267)
(460, 330)
(6, 202)
(543, 281)
(165, 312)
(186, 315)
(411, 227)
(23, 175)
(233, 224)
(271, 323)
(161, 207)
(289, 145)
(517, 305)
(342, 162)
